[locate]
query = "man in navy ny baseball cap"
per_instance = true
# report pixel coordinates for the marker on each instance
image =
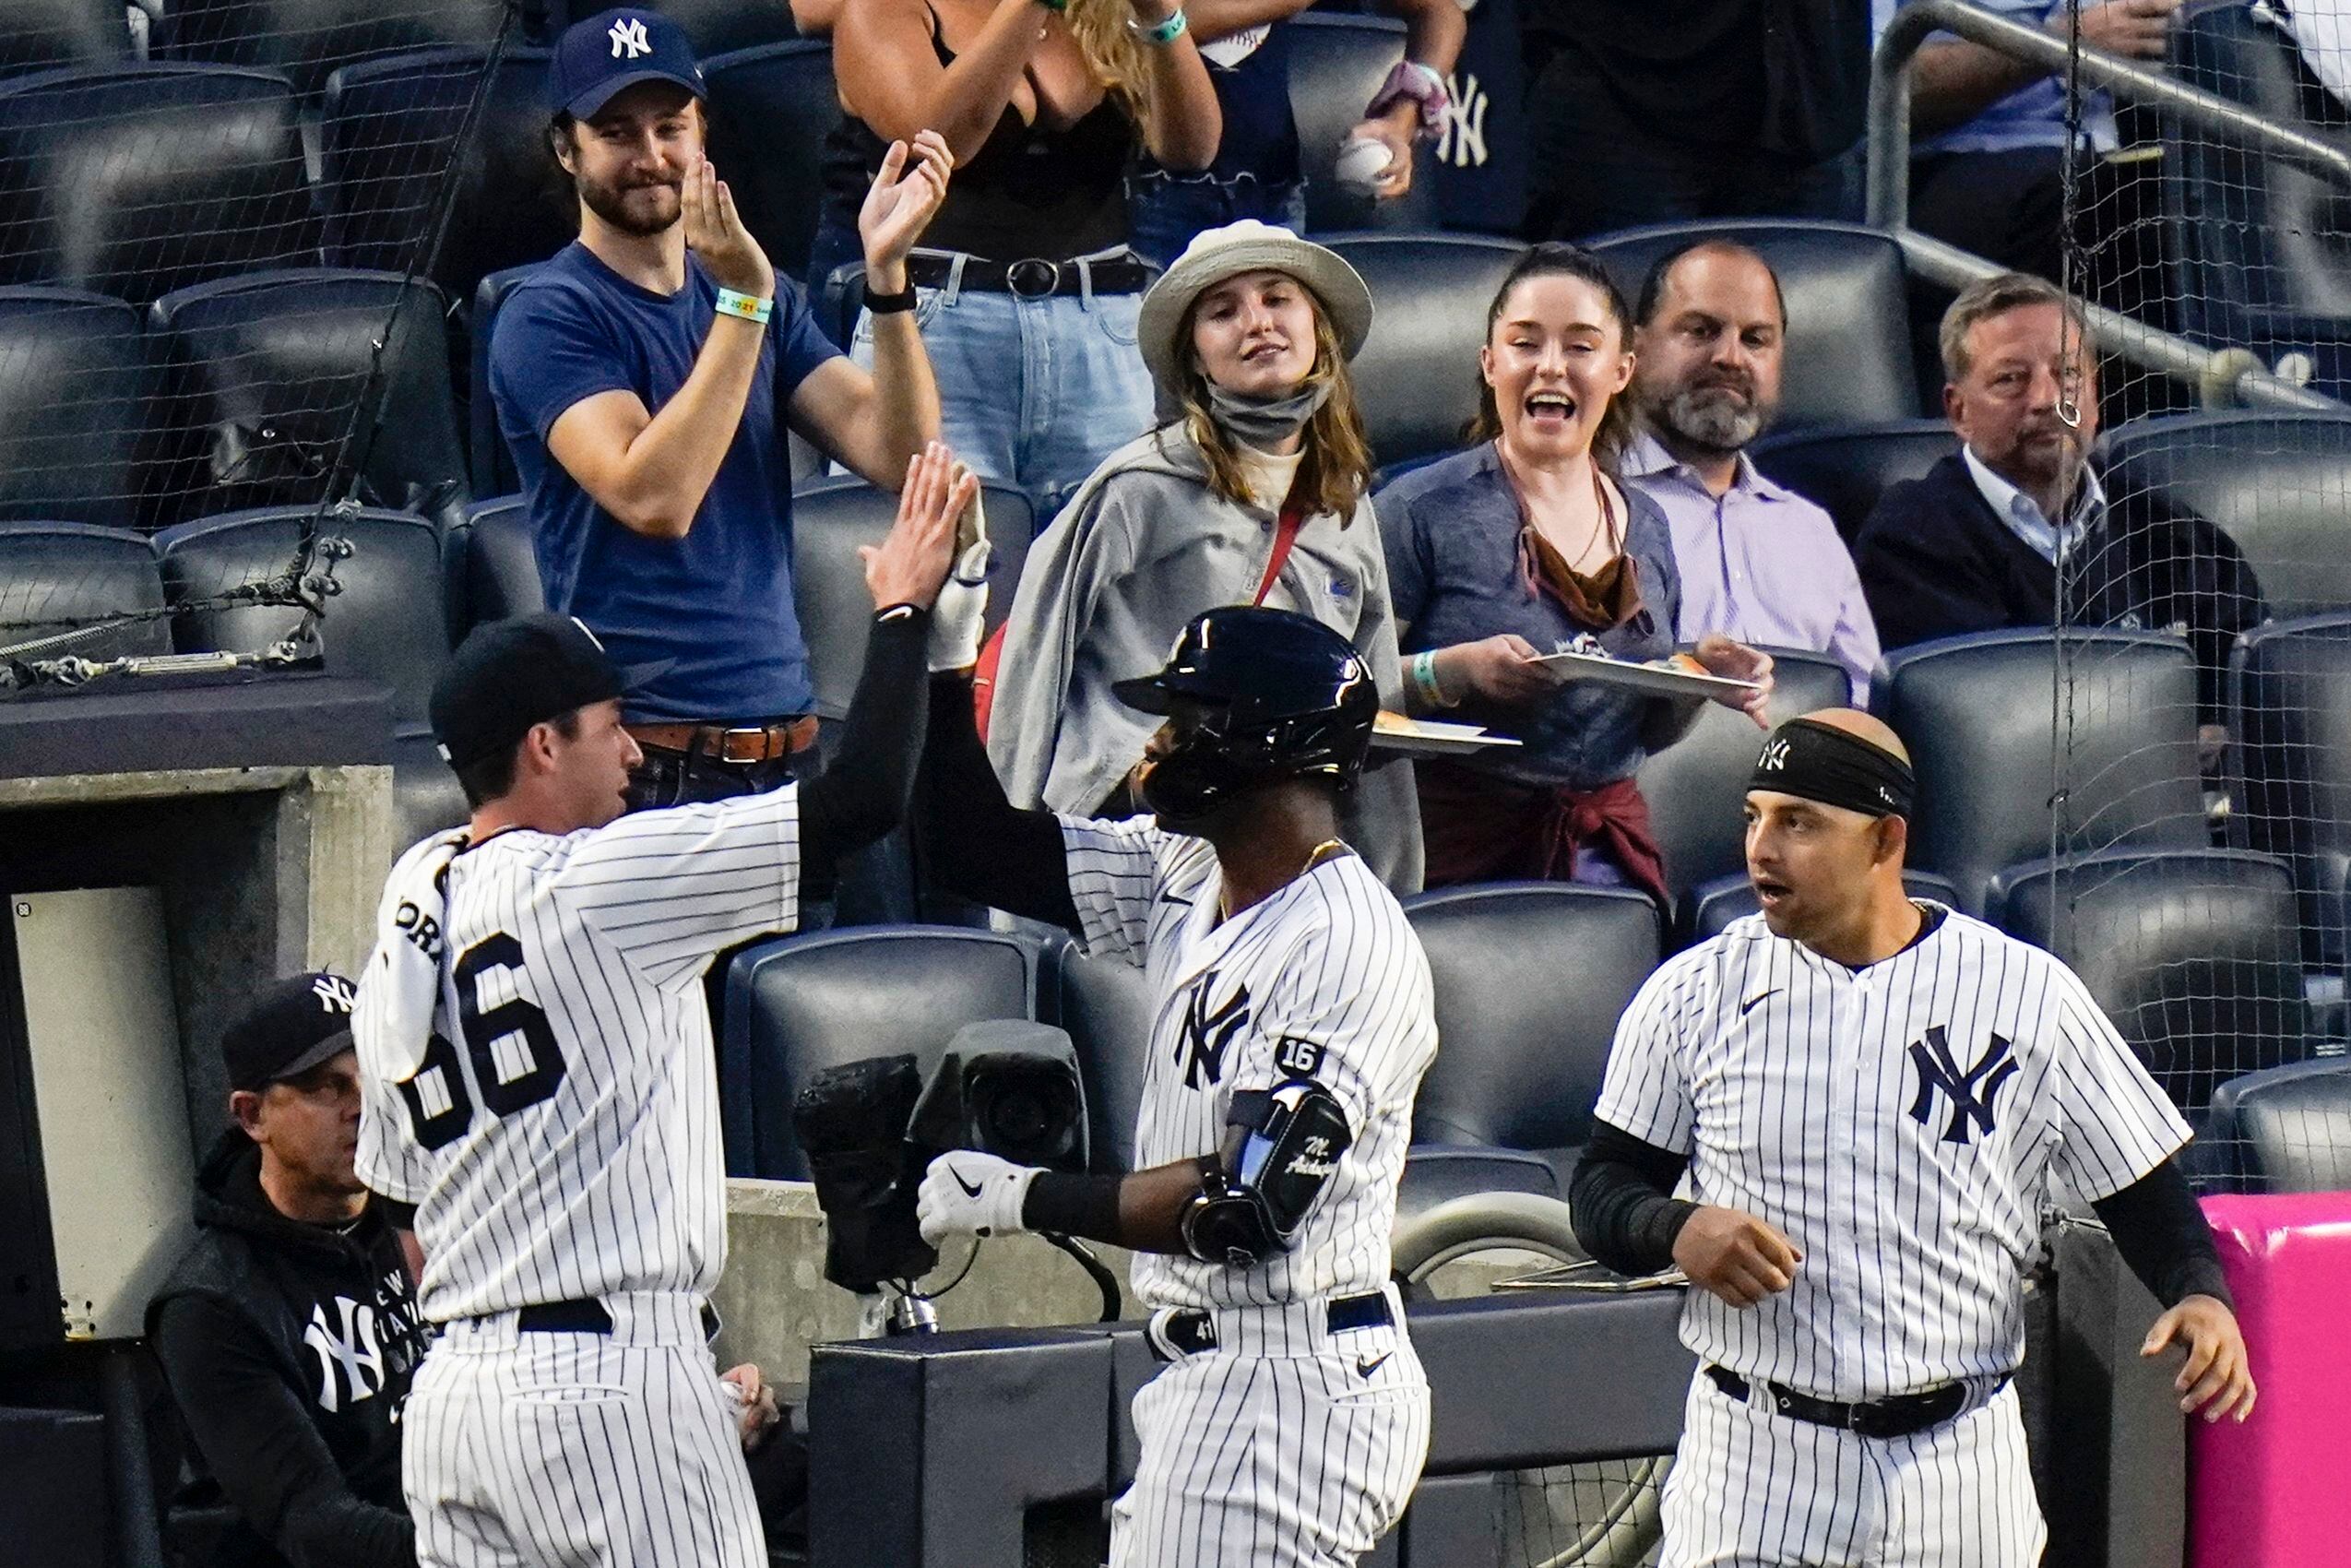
(602, 55)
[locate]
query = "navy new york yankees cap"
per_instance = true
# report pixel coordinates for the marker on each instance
(599, 56)
(292, 1026)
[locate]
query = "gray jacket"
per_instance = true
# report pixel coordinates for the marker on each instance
(1143, 547)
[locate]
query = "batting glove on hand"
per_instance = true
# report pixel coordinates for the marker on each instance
(958, 620)
(970, 1193)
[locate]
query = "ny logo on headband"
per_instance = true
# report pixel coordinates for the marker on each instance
(1774, 756)
(628, 33)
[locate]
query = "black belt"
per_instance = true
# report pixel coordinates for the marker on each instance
(587, 1316)
(1032, 277)
(1898, 1415)
(1190, 1332)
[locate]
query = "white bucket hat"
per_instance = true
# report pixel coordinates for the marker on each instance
(1215, 254)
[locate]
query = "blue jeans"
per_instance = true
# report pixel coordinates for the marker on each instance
(1165, 210)
(1033, 393)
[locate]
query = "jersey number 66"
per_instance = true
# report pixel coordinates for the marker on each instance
(439, 1099)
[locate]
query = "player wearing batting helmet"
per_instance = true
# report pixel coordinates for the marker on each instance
(1872, 1096)
(1292, 1025)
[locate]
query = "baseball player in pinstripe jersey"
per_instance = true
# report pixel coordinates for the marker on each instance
(1871, 1098)
(539, 1087)
(1293, 1024)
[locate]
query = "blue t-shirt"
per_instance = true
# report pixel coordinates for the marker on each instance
(716, 604)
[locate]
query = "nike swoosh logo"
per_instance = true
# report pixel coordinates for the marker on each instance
(1171, 899)
(1366, 1367)
(968, 1189)
(1753, 1002)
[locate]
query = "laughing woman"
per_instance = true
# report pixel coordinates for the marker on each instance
(1256, 493)
(1525, 545)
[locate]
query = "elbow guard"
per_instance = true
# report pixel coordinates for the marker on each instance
(1280, 1147)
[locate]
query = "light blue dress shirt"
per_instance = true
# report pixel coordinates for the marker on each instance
(2034, 115)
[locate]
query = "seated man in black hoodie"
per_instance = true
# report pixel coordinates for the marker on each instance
(290, 1331)
(1989, 536)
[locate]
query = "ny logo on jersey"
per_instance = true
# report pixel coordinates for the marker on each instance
(1205, 1034)
(355, 1352)
(1971, 1093)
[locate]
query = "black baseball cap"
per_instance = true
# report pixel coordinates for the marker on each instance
(599, 56)
(509, 675)
(297, 1024)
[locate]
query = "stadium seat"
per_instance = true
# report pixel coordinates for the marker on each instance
(1335, 65)
(308, 39)
(800, 1005)
(137, 180)
(270, 375)
(1712, 906)
(488, 460)
(1976, 714)
(1435, 1174)
(1105, 1005)
(54, 576)
(1845, 468)
(1697, 786)
(2278, 484)
(1417, 376)
(76, 392)
(2292, 723)
(39, 35)
(714, 26)
(388, 131)
(2191, 953)
(490, 557)
(830, 520)
(2282, 1129)
(1849, 357)
(771, 109)
(1529, 978)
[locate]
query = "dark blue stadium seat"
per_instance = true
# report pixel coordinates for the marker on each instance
(803, 1004)
(270, 375)
(492, 464)
(1849, 357)
(1697, 786)
(137, 180)
(714, 26)
(1435, 1174)
(1844, 468)
(771, 109)
(77, 394)
(2282, 1129)
(2292, 723)
(2192, 953)
(1105, 1004)
(1417, 376)
(1529, 979)
(388, 131)
(1976, 714)
(39, 35)
(2278, 484)
(1335, 65)
(54, 576)
(308, 39)
(492, 562)
(1712, 906)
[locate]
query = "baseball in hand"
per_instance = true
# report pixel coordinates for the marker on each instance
(1362, 160)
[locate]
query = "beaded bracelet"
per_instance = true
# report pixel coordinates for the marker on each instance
(1163, 33)
(735, 302)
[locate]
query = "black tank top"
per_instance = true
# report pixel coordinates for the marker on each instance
(1030, 191)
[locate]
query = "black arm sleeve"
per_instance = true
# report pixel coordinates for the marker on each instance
(973, 840)
(861, 794)
(1622, 1201)
(2161, 1233)
(258, 1442)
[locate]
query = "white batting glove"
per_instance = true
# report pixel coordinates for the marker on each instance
(958, 619)
(968, 1194)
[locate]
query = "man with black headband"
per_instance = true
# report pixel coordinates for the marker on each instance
(1869, 1097)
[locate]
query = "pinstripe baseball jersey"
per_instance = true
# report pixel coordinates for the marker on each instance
(1323, 980)
(560, 1135)
(1900, 1123)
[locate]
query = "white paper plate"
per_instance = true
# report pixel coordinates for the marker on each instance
(1649, 678)
(1395, 732)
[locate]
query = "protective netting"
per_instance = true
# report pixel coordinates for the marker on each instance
(231, 286)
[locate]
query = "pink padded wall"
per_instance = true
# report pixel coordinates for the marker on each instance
(2275, 1493)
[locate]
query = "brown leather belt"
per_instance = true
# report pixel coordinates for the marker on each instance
(719, 743)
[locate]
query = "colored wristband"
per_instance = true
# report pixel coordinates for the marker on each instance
(1163, 33)
(1424, 679)
(732, 302)
(891, 305)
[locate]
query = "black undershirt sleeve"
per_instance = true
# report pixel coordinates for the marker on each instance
(862, 795)
(974, 841)
(1621, 1197)
(2161, 1233)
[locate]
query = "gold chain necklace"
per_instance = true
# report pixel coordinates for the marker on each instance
(1314, 857)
